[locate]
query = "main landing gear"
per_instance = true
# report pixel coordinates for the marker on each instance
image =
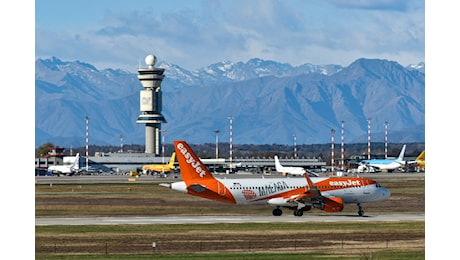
(277, 212)
(360, 210)
(297, 212)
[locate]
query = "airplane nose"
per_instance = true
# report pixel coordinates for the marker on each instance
(385, 193)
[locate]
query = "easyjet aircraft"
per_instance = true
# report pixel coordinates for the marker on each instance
(297, 194)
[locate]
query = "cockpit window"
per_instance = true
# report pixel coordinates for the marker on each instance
(378, 185)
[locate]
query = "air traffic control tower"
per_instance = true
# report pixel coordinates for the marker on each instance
(151, 104)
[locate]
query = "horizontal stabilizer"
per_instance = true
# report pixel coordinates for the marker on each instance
(167, 185)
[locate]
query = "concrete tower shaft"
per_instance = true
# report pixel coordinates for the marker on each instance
(151, 104)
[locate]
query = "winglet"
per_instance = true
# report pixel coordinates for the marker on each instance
(191, 167)
(310, 183)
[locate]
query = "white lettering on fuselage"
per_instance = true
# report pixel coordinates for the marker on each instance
(272, 187)
(191, 161)
(345, 183)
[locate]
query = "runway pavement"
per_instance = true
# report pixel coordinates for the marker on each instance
(340, 218)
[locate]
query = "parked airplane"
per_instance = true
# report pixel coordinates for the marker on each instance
(149, 168)
(386, 164)
(71, 165)
(419, 161)
(297, 194)
(288, 170)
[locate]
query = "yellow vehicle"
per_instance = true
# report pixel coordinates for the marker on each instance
(161, 168)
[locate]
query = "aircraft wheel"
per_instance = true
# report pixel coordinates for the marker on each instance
(360, 210)
(298, 212)
(277, 212)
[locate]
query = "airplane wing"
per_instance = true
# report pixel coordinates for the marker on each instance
(313, 197)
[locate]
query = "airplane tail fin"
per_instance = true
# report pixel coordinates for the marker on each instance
(278, 166)
(401, 155)
(421, 157)
(191, 168)
(171, 161)
(76, 163)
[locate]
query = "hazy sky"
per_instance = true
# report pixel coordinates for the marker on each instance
(197, 33)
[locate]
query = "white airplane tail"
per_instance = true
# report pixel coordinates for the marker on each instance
(401, 155)
(278, 166)
(76, 164)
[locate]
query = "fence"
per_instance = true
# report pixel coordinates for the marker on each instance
(179, 247)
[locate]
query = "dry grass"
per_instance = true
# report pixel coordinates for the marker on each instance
(76, 200)
(355, 240)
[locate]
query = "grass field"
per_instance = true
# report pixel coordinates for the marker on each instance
(365, 240)
(352, 241)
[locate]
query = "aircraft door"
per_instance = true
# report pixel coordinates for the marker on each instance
(366, 188)
(221, 190)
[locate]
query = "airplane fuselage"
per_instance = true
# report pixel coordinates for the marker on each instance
(60, 168)
(384, 164)
(265, 191)
(297, 194)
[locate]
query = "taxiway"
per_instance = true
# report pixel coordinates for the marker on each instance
(227, 219)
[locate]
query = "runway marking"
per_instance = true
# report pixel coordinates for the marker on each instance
(226, 219)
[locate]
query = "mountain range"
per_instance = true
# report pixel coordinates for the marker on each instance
(269, 102)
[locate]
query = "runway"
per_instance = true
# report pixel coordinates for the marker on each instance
(342, 218)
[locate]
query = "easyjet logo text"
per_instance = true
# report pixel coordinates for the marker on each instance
(345, 183)
(273, 187)
(191, 161)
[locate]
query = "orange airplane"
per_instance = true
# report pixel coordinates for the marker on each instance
(297, 194)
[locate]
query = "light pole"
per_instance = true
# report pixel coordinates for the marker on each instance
(386, 139)
(295, 146)
(342, 147)
(163, 133)
(231, 143)
(121, 143)
(217, 143)
(87, 132)
(332, 151)
(369, 138)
